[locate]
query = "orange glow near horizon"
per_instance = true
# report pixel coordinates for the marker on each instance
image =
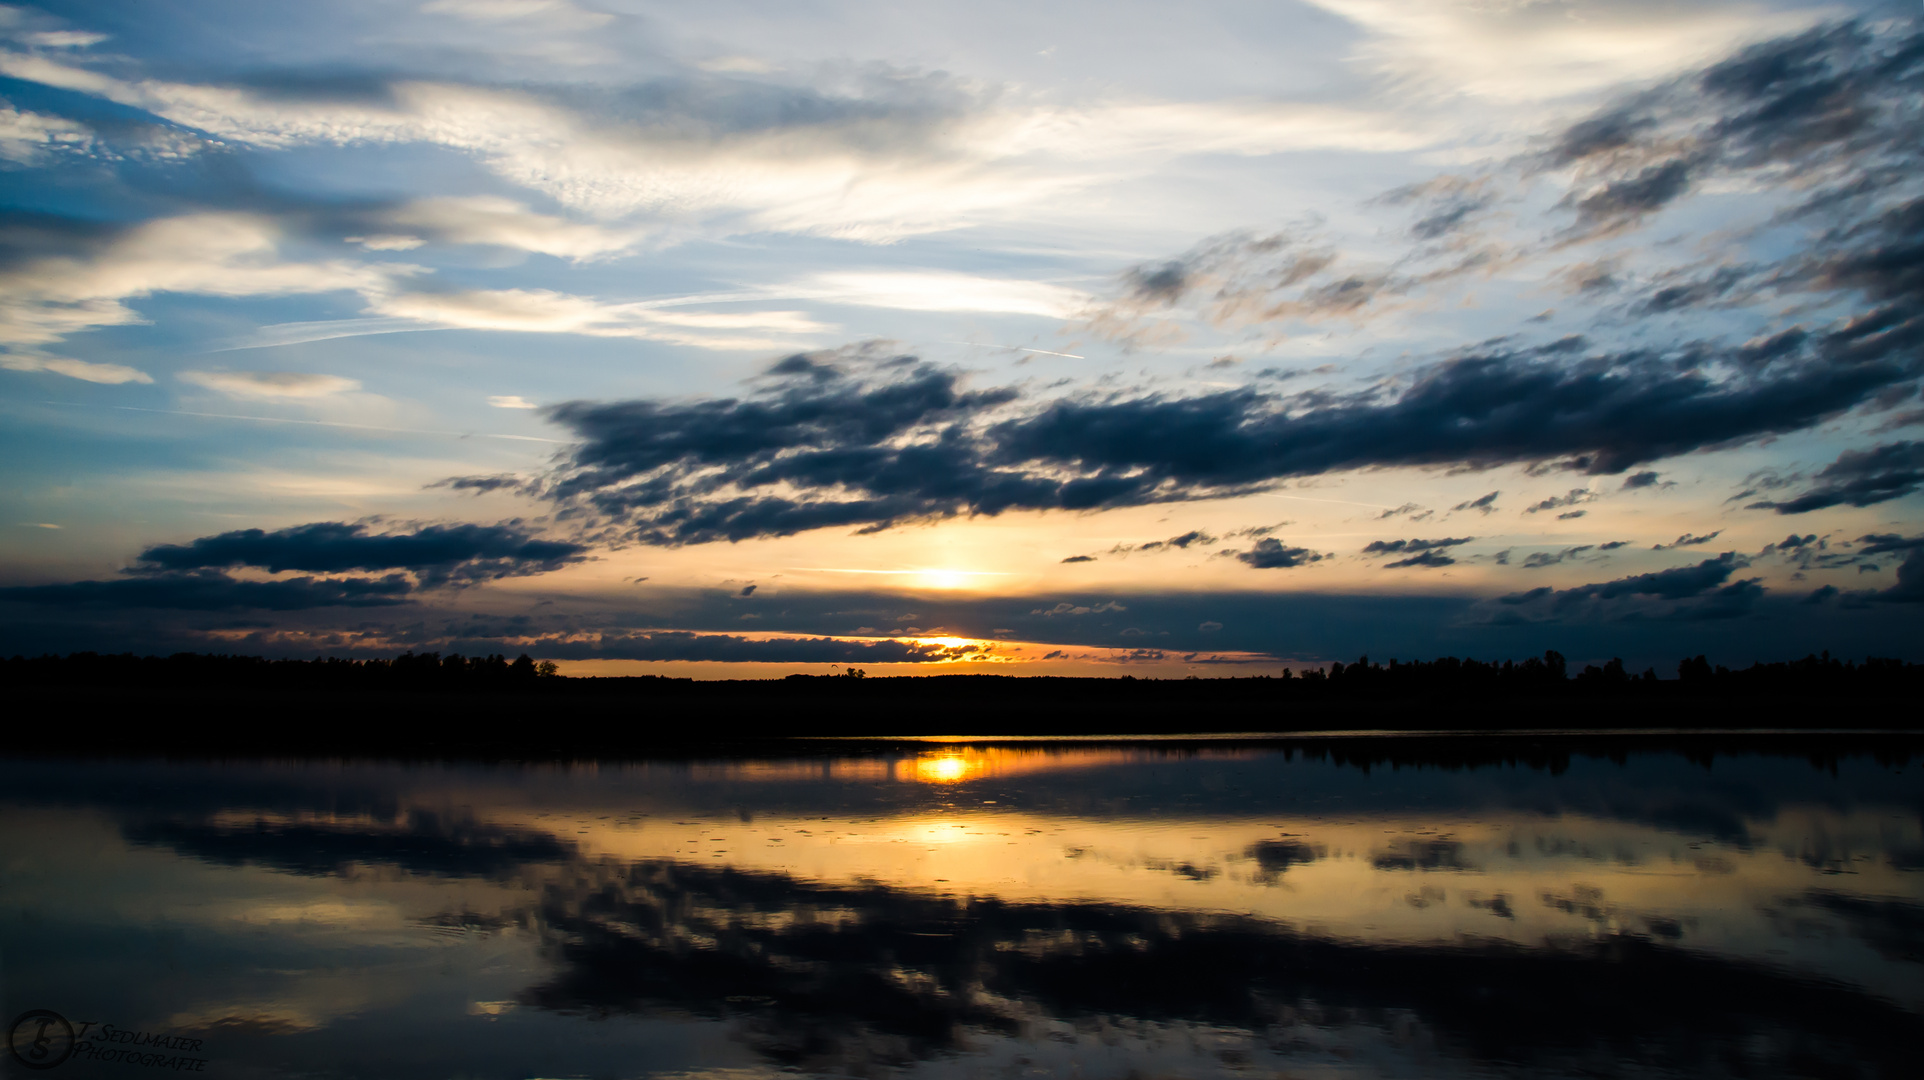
(946, 769)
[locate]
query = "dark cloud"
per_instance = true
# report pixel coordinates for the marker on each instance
(1080, 558)
(747, 590)
(1540, 559)
(212, 590)
(1841, 92)
(1396, 547)
(684, 645)
(1686, 593)
(1859, 478)
(1427, 559)
(436, 553)
(1639, 480)
(1910, 573)
(1483, 503)
(1688, 540)
(1557, 502)
(1194, 536)
(1273, 554)
(1910, 580)
(835, 441)
(193, 577)
(482, 485)
(1697, 291)
(1630, 197)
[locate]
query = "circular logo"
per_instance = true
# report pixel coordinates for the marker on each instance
(40, 1039)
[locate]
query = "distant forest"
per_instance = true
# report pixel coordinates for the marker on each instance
(1448, 678)
(424, 706)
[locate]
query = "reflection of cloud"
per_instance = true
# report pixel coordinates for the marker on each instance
(420, 843)
(827, 978)
(1411, 853)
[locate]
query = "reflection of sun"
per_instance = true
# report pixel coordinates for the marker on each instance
(946, 769)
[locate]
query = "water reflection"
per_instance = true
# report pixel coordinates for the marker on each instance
(961, 910)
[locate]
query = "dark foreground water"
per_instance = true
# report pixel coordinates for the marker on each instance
(944, 911)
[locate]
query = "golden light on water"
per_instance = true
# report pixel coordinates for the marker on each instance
(946, 768)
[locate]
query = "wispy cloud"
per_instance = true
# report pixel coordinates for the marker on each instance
(270, 384)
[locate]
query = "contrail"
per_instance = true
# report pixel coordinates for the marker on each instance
(1018, 348)
(316, 423)
(1343, 502)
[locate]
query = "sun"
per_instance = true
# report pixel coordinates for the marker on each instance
(946, 579)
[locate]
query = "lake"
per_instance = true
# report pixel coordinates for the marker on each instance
(1309, 907)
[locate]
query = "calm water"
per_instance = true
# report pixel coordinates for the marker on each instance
(944, 911)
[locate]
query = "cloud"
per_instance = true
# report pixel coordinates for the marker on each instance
(544, 311)
(1273, 554)
(1484, 504)
(212, 590)
(731, 648)
(1689, 593)
(510, 401)
(1396, 547)
(1688, 540)
(86, 371)
(932, 291)
(26, 137)
(1859, 478)
(500, 222)
(1531, 52)
(437, 554)
(553, 14)
(1182, 542)
(1427, 559)
(1557, 502)
(1066, 608)
(270, 384)
(904, 441)
(1080, 558)
(883, 154)
(1639, 480)
(1539, 559)
(78, 278)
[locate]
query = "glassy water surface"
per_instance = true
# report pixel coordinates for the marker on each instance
(952, 911)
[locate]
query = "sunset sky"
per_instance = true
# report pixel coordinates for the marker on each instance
(738, 339)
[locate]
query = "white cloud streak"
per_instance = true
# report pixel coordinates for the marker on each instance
(270, 385)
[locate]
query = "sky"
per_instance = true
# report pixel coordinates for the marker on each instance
(739, 339)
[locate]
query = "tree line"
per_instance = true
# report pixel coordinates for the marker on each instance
(1547, 676)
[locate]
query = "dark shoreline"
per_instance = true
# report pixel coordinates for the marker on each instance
(175, 722)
